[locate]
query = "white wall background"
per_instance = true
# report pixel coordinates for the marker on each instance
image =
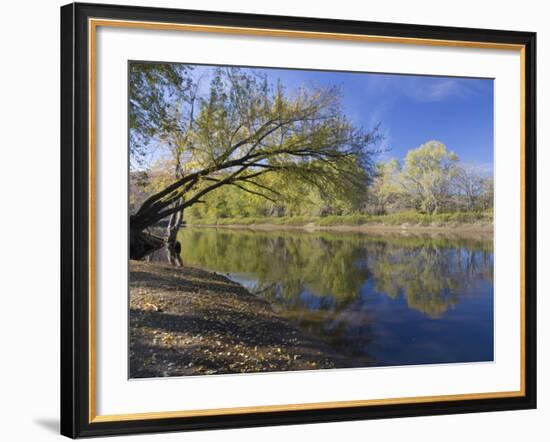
(29, 178)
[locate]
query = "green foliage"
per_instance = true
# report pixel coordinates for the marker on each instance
(427, 175)
(430, 189)
(395, 219)
(243, 132)
(385, 190)
(155, 90)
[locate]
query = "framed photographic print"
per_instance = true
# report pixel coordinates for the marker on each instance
(278, 220)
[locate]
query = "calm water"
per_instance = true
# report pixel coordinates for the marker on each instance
(376, 300)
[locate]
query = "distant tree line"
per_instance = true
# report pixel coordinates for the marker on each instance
(429, 180)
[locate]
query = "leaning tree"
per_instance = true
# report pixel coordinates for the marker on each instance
(234, 130)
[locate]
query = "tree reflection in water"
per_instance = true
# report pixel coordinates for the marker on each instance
(359, 292)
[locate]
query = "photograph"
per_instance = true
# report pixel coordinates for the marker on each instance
(296, 219)
(273, 220)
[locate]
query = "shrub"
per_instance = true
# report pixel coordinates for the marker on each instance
(398, 218)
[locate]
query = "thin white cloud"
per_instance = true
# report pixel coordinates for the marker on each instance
(424, 89)
(434, 90)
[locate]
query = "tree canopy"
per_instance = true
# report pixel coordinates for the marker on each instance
(427, 174)
(237, 129)
(425, 180)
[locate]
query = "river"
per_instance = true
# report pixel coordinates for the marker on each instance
(377, 300)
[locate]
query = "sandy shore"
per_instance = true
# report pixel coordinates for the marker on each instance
(187, 321)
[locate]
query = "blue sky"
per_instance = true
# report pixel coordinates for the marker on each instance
(411, 109)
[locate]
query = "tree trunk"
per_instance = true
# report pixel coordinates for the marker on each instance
(174, 225)
(173, 247)
(173, 254)
(142, 243)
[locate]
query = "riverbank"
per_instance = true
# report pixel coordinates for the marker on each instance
(462, 230)
(404, 221)
(188, 321)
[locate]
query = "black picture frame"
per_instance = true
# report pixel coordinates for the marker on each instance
(75, 220)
